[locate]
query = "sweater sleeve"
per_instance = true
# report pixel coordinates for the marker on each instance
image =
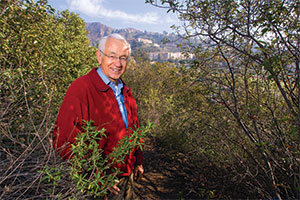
(68, 125)
(71, 116)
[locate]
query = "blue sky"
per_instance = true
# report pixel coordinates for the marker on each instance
(120, 13)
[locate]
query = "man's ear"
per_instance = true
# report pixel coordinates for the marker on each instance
(98, 54)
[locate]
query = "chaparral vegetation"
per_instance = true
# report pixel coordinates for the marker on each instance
(234, 106)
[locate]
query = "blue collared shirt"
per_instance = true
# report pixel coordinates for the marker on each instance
(118, 93)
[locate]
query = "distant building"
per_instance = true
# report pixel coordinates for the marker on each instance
(145, 41)
(168, 56)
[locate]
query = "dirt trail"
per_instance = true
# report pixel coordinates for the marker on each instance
(164, 178)
(172, 177)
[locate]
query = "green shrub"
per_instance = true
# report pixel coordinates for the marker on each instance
(91, 172)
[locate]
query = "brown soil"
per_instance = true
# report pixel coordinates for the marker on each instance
(171, 176)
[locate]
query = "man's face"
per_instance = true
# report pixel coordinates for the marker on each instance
(114, 58)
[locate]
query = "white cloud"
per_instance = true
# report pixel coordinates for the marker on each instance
(95, 8)
(171, 19)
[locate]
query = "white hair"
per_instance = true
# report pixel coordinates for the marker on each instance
(102, 41)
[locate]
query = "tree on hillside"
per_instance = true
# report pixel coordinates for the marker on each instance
(249, 58)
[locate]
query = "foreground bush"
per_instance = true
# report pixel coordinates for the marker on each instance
(91, 172)
(41, 53)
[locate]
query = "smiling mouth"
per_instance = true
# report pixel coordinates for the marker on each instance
(115, 70)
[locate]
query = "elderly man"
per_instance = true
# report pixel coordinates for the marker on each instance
(103, 97)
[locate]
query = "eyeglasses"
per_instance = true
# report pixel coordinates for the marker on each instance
(122, 59)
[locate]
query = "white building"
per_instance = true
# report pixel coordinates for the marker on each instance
(168, 55)
(145, 41)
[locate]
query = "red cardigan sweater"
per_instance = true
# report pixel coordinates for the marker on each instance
(89, 98)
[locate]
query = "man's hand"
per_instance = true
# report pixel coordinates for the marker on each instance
(138, 172)
(114, 189)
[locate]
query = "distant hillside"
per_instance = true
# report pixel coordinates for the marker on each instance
(97, 30)
(154, 44)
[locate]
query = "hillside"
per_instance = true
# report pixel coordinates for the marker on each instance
(153, 43)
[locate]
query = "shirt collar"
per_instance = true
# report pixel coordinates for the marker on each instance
(106, 79)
